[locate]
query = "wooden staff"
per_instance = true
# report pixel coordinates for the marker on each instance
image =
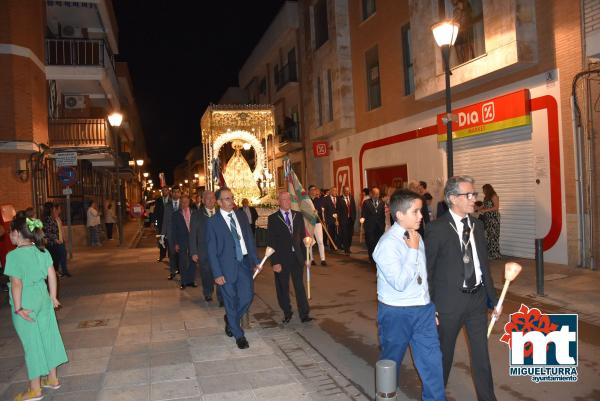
(325, 229)
(511, 271)
(307, 243)
(268, 252)
(360, 235)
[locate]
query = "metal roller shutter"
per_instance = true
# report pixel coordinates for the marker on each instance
(505, 160)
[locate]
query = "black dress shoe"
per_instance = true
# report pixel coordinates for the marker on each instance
(287, 318)
(312, 263)
(208, 298)
(192, 285)
(306, 319)
(159, 260)
(347, 252)
(242, 343)
(227, 329)
(171, 276)
(323, 263)
(176, 271)
(182, 287)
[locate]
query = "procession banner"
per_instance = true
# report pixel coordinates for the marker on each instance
(300, 200)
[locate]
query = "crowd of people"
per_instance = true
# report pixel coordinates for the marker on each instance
(433, 275)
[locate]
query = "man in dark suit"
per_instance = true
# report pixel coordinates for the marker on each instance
(373, 211)
(285, 232)
(198, 245)
(250, 213)
(332, 217)
(158, 219)
(460, 283)
(347, 216)
(181, 239)
(167, 231)
(232, 256)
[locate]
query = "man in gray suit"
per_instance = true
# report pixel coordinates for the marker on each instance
(198, 245)
(167, 230)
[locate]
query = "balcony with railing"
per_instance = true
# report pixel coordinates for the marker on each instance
(287, 74)
(78, 52)
(289, 137)
(79, 133)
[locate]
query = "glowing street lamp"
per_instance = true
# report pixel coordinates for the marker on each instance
(146, 175)
(139, 162)
(445, 33)
(115, 119)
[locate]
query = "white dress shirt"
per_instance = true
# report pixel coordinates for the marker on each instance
(398, 270)
(175, 204)
(210, 212)
(237, 226)
(459, 228)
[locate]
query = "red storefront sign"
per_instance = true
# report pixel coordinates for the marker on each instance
(320, 149)
(342, 174)
(503, 112)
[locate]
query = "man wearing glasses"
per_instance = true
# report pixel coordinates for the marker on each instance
(460, 283)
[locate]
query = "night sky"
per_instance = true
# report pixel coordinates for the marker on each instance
(183, 55)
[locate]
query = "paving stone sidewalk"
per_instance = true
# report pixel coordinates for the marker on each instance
(164, 344)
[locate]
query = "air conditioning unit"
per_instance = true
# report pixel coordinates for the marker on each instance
(74, 102)
(71, 31)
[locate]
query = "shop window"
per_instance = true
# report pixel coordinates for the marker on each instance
(470, 42)
(409, 72)
(373, 82)
(320, 23)
(368, 8)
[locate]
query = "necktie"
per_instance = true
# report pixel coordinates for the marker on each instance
(236, 238)
(175, 205)
(348, 206)
(288, 222)
(468, 262)
(186, 215)
(333, 200)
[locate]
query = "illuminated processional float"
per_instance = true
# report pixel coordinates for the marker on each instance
(245, 127)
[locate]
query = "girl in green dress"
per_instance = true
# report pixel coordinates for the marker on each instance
(34, 320)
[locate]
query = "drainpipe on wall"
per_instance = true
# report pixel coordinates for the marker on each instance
(579, 191)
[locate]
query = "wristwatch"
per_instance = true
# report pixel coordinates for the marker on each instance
(18, 310)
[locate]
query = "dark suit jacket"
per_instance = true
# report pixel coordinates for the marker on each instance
(445, 268)
(221, 246)
(330, 209)
(198, 245)
(374, 216)
(319, 204)
(167, 226)
(342, 211)
(280, 239)
(181, 234)
(253, 214)
(159, 213)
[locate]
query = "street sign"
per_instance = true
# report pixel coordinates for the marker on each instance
(137, 210)
(67, 191)
(67, 176)
(67, 159)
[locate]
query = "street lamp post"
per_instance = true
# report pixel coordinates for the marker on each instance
(445, 33)
(115, 120)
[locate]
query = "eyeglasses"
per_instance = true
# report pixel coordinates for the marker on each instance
(469, 195)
